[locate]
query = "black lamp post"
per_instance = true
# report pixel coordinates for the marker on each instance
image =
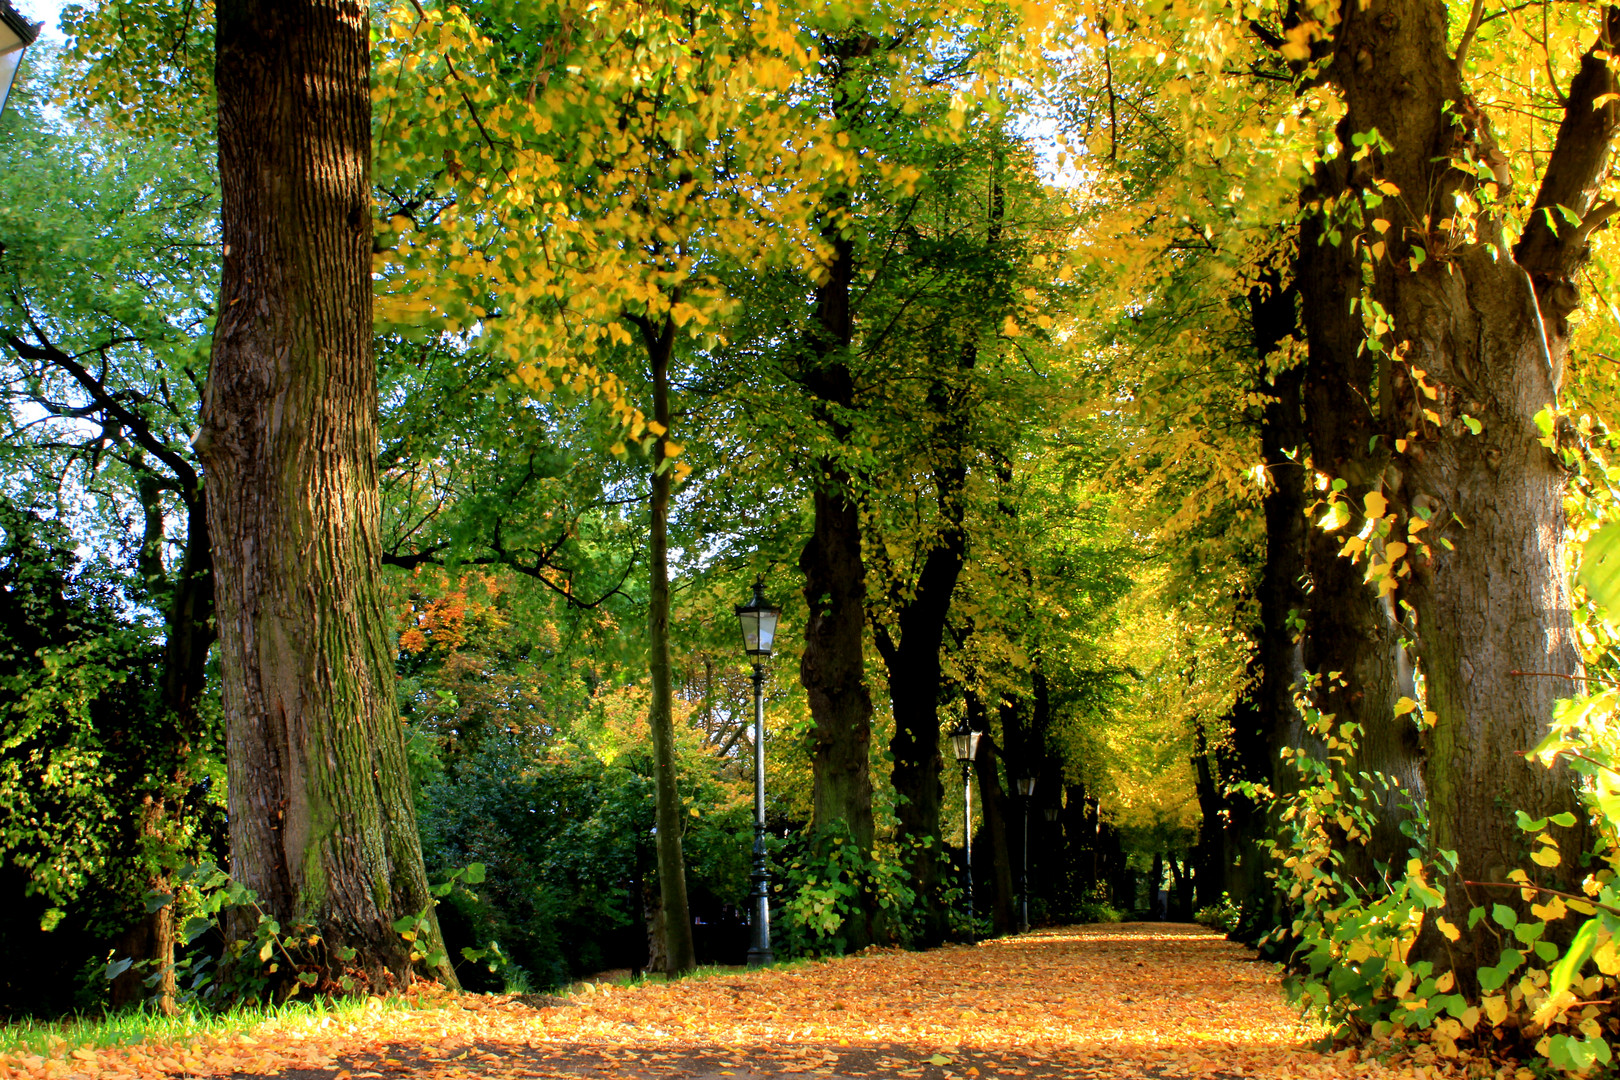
(1026, 788)
(758, 619)
(16, 34)
(965, 741)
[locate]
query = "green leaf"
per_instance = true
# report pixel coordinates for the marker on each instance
(1505, 916)
(1566, 819)
(1527, 823)
(118, 967)
(1580, 948)
(475, 873)
(1600, 566)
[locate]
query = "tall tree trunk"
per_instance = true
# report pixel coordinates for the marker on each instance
(1268, 720)
(1209, 855)
(321, 820)
(832, 668)
(1490, 333)
(1022, 761)
(995, 809)
(915, 680)
(1351, 630)
(680, 951)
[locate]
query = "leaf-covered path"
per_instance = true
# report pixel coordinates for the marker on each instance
(1155, 1000)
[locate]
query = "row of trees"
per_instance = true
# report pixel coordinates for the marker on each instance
(782, 315)
(1235, 446)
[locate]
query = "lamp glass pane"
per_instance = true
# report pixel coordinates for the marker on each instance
(750, 630)
(1052, 813)
(1026, 786)
(959, 743)
(767, 629)
(973, 745)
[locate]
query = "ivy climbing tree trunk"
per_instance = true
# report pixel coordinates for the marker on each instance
(1352, 630)
(321, 821)
(1482, 513)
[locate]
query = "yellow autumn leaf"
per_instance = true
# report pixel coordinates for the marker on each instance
(1376, 504)
(1496, 1008)
(1552, 910)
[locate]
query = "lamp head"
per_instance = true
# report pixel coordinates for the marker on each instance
(965, 741)
(758, 620)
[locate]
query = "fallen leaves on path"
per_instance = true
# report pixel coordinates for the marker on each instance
(1095, 1002)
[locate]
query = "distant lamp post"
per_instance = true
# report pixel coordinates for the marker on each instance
(1026, 788)
(758, 619)
(965, 741)
(16, 34)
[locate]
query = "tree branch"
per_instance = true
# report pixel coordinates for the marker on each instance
(1552, 246)
(133, 422)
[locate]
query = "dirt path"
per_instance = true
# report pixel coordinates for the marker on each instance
(1154, 1000)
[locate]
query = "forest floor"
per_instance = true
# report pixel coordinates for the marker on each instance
(1150, 1000)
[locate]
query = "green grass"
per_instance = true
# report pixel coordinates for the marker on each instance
(55, 1037)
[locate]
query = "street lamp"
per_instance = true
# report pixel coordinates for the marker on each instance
(758, 619)
(16, 34)
(965, 741)
(1026, 788)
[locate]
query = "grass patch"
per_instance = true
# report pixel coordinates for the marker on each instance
(53, 1038)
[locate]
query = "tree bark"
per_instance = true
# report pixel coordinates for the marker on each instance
(915, 680)
(832, 668)
(1351, 630)
(913, 660)
(1490, 334)
(680, 950)
(1209, 854)
(322, 824)
(995, 809)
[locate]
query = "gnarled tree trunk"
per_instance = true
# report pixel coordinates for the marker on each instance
(322, 825)
(1489, 334)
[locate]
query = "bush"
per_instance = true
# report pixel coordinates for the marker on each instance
(1223, 916)
(1096, 911)
(567, 841)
